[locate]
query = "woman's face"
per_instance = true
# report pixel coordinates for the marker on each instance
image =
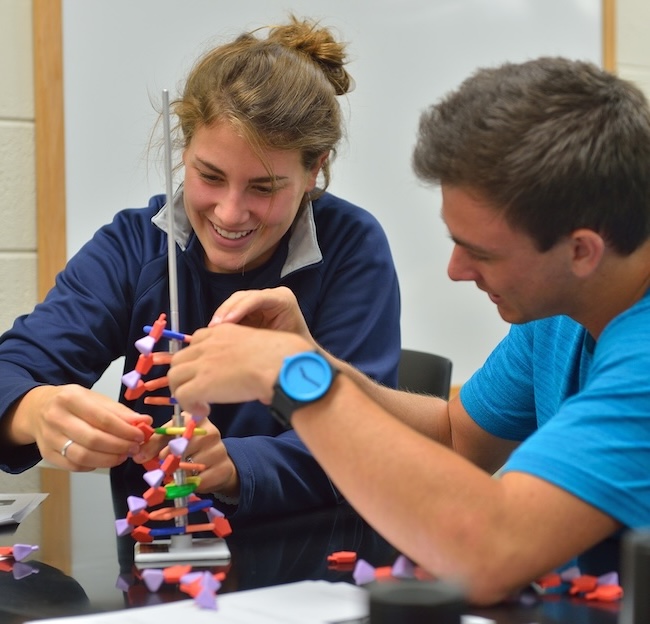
(238, 211)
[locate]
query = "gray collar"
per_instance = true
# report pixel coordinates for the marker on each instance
(303, 242)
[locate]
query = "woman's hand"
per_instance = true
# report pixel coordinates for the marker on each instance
(219, 473)
(75, 428)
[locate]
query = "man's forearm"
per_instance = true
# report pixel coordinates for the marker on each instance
(426, 414)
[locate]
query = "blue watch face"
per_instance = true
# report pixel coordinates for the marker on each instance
(306, 376)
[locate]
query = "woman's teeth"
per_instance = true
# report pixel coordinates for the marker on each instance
(232, 235)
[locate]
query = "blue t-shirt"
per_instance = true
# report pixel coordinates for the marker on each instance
(581, 408)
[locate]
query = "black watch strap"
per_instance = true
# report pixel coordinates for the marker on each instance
(283, 406)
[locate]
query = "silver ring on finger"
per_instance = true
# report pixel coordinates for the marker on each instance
(65, 448)
(190, 460)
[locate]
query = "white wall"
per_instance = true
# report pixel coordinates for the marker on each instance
(120, 54)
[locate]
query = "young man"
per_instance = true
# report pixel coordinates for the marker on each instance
(544, 168)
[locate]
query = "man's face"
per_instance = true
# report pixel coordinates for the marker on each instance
(524, 283)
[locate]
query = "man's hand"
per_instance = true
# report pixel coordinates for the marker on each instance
(230, 363)
(271, 308)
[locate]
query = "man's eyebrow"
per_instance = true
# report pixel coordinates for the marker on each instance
(259, 180)
(473, 248)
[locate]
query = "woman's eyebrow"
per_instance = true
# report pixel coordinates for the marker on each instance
(258, 180)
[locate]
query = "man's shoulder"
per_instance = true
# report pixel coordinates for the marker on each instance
(552, 330)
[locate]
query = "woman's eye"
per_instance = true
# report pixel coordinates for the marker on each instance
(263, 190)
(210, 177)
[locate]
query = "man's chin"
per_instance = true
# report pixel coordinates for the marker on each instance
(509, 316)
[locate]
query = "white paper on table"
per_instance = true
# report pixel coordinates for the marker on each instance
(14, 508)
(304, 602)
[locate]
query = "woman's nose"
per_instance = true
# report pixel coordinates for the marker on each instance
(230, 208)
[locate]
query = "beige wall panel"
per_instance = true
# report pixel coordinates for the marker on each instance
(17, 189)
(637, 74)
(16, 60)
(17, 285)
(632, 41)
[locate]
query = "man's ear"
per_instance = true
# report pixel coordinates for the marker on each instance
(588, 249)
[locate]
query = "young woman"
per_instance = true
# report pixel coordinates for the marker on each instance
(258, 124)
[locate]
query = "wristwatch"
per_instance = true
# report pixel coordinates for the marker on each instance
(304, 378)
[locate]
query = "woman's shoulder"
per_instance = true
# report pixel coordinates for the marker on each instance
(139, 215)
(132, 231)
(329, 208)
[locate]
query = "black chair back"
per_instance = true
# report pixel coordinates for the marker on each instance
(424, 373)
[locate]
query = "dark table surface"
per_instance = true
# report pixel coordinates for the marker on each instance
(265, 553)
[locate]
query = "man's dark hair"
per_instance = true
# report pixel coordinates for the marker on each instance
(555, 144)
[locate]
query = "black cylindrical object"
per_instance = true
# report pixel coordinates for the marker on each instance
(635, 577)
(415, 602)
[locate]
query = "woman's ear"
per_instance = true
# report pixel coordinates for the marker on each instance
(315, 170)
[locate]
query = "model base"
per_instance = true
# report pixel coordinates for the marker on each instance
(163, 553)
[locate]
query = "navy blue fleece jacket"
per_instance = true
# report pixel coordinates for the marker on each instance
(336, 260)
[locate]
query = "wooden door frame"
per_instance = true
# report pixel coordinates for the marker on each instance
(609, 35)
(47, 32)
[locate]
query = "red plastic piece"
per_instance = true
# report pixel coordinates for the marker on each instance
(156, 384)
(173, 574)
(151, 464)
(195, 528)
(144, 364)
(383, 573)
(146, 429)
(583, 584)
(168, 513)
(155, 496)
(157, 328)
(606, 593)
(192, 589)
(137, 519)
(131, 394)
(170, 464)
(550, 580)
(154, 400)
(192, 467)
(342, 556)
(161, 357)
(142, 534)
(189, 429)
(222, 527)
